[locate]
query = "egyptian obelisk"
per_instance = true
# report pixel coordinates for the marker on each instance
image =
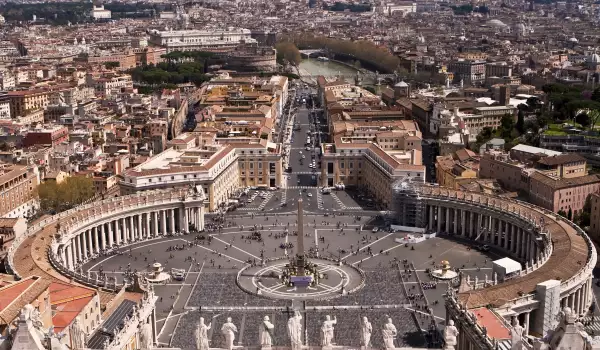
(300, 249)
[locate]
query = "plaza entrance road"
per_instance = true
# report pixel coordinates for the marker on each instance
(229, 251)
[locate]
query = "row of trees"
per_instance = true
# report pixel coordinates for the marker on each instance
(366, 51)
(65, 195)
(170, 73)
(342, 6)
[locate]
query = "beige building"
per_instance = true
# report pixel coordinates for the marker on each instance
(557, 182)
(18, 185)
(24, 102)
(457, 169)
(219, 166)
(562, 194)
(10, 229)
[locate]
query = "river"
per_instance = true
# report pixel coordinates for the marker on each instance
(314, 67)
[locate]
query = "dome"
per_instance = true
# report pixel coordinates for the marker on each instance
(401, 84)
(496, 23)
(573, 40)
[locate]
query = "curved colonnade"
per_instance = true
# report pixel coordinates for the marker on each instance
(548, 247)
(62, 243)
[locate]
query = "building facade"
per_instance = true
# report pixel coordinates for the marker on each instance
(18, 186)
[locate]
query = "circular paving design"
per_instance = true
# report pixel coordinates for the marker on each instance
(264, 280)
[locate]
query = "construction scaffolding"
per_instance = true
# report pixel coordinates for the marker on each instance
(409, 209)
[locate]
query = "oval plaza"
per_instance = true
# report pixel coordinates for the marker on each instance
(547, 264)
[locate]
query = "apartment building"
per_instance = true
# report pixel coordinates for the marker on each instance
(457, 169)
(219, 167)
(51, 136)
(18, 184)
(471, 72)
(566, 194)
(368, 166)
(125, 58)
(201, 40)
(107, 84)
(24, 101)
(557, 182)
(498, 69)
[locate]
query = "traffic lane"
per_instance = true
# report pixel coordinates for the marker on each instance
(329, 203)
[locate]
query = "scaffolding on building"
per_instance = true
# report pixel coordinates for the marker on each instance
(408, 207)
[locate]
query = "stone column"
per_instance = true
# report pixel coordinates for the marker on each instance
(479, 224)
(79, 249)
(148, 234)
(463, 226)
(172, 220)
(163, 219)
(129, 228)
(513, 234)
(155, 222)
(455, 219)
(527, 323)
(430, 217)
(95, 234)
(439, 219)
(186, 220)
(447, 220)
(63, 255)
(139, 226)
(506, 233)
(69, 256)
(201, 217)
(87, 246)
(110, 233)
(103, 236)
(119, 236)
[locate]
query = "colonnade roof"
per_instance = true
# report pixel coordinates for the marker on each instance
(569, 255)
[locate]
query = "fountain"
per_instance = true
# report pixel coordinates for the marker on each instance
(445, 272)
(156, 274)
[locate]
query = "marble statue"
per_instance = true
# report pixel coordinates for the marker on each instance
(450, 335)
(516, 335)
(295, 331)
(146, 341)
(327, 331)
(389, 333)
(77, 335)
(202, 335)
(365, 332)
(228, 330)
(266, 330)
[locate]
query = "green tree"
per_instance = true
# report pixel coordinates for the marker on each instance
(507, 124)
(596, 95)
(289, 52)
(562, 213)
(520, 126)
(68, 194)
(112, 65)
(570, 214)
(583, 119)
